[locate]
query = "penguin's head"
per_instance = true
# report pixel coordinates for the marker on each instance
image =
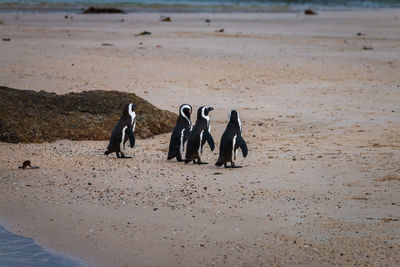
(203, 111)
(234, 118)
(129, 109)
(185, 110)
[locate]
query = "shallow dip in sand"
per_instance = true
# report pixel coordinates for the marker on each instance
(319, 112)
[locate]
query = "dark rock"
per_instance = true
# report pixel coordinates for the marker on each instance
(165, 19)
(33, 117)
(220, 30)
(143, 33)
(310, 12)
(367, 48)
(98, 10)
(6, 39)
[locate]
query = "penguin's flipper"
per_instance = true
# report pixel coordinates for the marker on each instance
(207, 136)
(242, 144)
(131, 136)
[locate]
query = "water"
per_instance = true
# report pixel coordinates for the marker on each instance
(194, 5)
(16, 250)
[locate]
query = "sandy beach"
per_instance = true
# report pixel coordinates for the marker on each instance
(319, 99)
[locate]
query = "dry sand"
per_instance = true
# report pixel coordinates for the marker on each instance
(320, 114)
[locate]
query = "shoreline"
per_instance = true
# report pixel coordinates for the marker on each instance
(319, 113)
(78, 11)
(26, 251)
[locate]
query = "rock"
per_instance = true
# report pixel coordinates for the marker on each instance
(6, 39)
(33, 117)
(368, 48)
(143, 33)
(220, 30)
(97, 10)
(310, 12)
(165, 19)
(207, 21)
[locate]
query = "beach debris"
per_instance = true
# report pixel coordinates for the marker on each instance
(368, 48)
(217, 173)
(360, 34)
(219, 30)
(27, 164)
(89, 115)
(98, 10)
(1, 22)
(310, 12)
(165, 19)
(106, 44)
(66, 17)
(6, 39)
(207, 21)
(122, 20)
(143, 33)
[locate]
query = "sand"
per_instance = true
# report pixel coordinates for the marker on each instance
(319, 101)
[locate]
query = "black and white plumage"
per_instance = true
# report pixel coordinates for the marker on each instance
(124, 130)
(180, 133)
(199, 135)
(231, 140)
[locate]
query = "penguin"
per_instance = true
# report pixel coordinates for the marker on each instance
(231, 140)
(199, 135)
(124, 130)
(180, 132)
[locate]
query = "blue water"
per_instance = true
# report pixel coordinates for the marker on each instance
(195, 5)
(16, 250)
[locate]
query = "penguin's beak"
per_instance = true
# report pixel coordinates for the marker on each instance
(210, 109)
(133, 105)
(190, 111)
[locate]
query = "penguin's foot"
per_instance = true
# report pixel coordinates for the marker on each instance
(200, 162)
(226, 166)
(118, 155)
(124, 157)
(179, 158)
(234, 166)
(106, 153)
(187, 161)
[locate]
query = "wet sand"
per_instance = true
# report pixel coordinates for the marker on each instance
(319, 101)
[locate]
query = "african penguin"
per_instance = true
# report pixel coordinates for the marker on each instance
(199, 135)
(231, 140)
(180, 133)
(124, 130)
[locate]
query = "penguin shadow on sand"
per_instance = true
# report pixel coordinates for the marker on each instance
(124, 130)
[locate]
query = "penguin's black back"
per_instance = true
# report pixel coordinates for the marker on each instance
(175, 142)
(226, 145)
(116, 135)
(192, 150)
